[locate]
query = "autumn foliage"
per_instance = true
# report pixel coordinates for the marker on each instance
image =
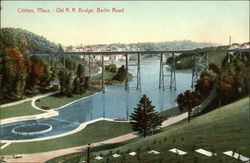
(20, 75)
(204, 84)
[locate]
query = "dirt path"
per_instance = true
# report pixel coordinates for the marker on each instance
(44, 156)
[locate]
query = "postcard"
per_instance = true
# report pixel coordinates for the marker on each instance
(124, 81)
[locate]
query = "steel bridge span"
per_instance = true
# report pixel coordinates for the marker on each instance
(201, 58)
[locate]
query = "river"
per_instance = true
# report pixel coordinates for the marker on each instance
(114, 103)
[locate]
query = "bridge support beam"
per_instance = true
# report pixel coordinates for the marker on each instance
(138, 76)
(103, 80)
(89, 67)
(171, 76)
(126, 68)
(200, 65)
(233, 55)
(161, 77)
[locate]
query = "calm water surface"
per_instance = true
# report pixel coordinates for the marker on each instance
(114, 103)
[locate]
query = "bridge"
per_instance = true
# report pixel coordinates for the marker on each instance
(201, 58)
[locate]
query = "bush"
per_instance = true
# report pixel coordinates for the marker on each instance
(121, 74)
(214, 68)
(110, 68)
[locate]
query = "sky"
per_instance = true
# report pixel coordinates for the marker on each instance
(141, 21)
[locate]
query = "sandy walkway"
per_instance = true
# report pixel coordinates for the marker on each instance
(42, 157)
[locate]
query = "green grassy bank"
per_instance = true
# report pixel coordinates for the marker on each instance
(224, 129)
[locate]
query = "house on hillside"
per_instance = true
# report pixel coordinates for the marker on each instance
(235, 46)
(245, 45)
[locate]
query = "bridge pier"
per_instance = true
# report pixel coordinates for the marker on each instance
(126, 75)
(173, 77)
(103, 80)
(138, 77)
(138, 74)
(89, 67)
(162, 76)
(200, 65)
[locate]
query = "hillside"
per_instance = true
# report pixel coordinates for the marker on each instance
(26, 41)
(186, 61)
(173, 45)
(224, 129)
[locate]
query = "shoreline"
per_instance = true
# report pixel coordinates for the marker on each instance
(48, 113)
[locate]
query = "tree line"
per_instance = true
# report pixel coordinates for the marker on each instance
(22, 76)
(231, 83)
(26, 41)
(70, 84)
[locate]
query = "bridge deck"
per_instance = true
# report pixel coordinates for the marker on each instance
(148, 52)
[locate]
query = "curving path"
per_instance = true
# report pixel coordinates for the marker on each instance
(27, 99)
(44, 156)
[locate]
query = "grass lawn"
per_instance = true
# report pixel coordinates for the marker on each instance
(52, 101)
(171, 112)
(18, 110)
(56, 100)
(216, 58)
(95, 132)
(221, 130)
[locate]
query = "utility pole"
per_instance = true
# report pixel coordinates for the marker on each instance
(229, 40)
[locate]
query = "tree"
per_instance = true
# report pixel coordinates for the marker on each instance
(187, 101)
(144, 117)
(76, 85)
(86, 82)
(49, 72)
(13, 73)
(65, 78)
(80, 71)
(204, 84)
(80, 74)
(121, 74)
(214, 68)
(36, 72)
(60, 49)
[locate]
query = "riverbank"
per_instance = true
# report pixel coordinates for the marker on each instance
(57, 101)
(24, 110)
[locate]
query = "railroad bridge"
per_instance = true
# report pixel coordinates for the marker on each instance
(201, 63)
